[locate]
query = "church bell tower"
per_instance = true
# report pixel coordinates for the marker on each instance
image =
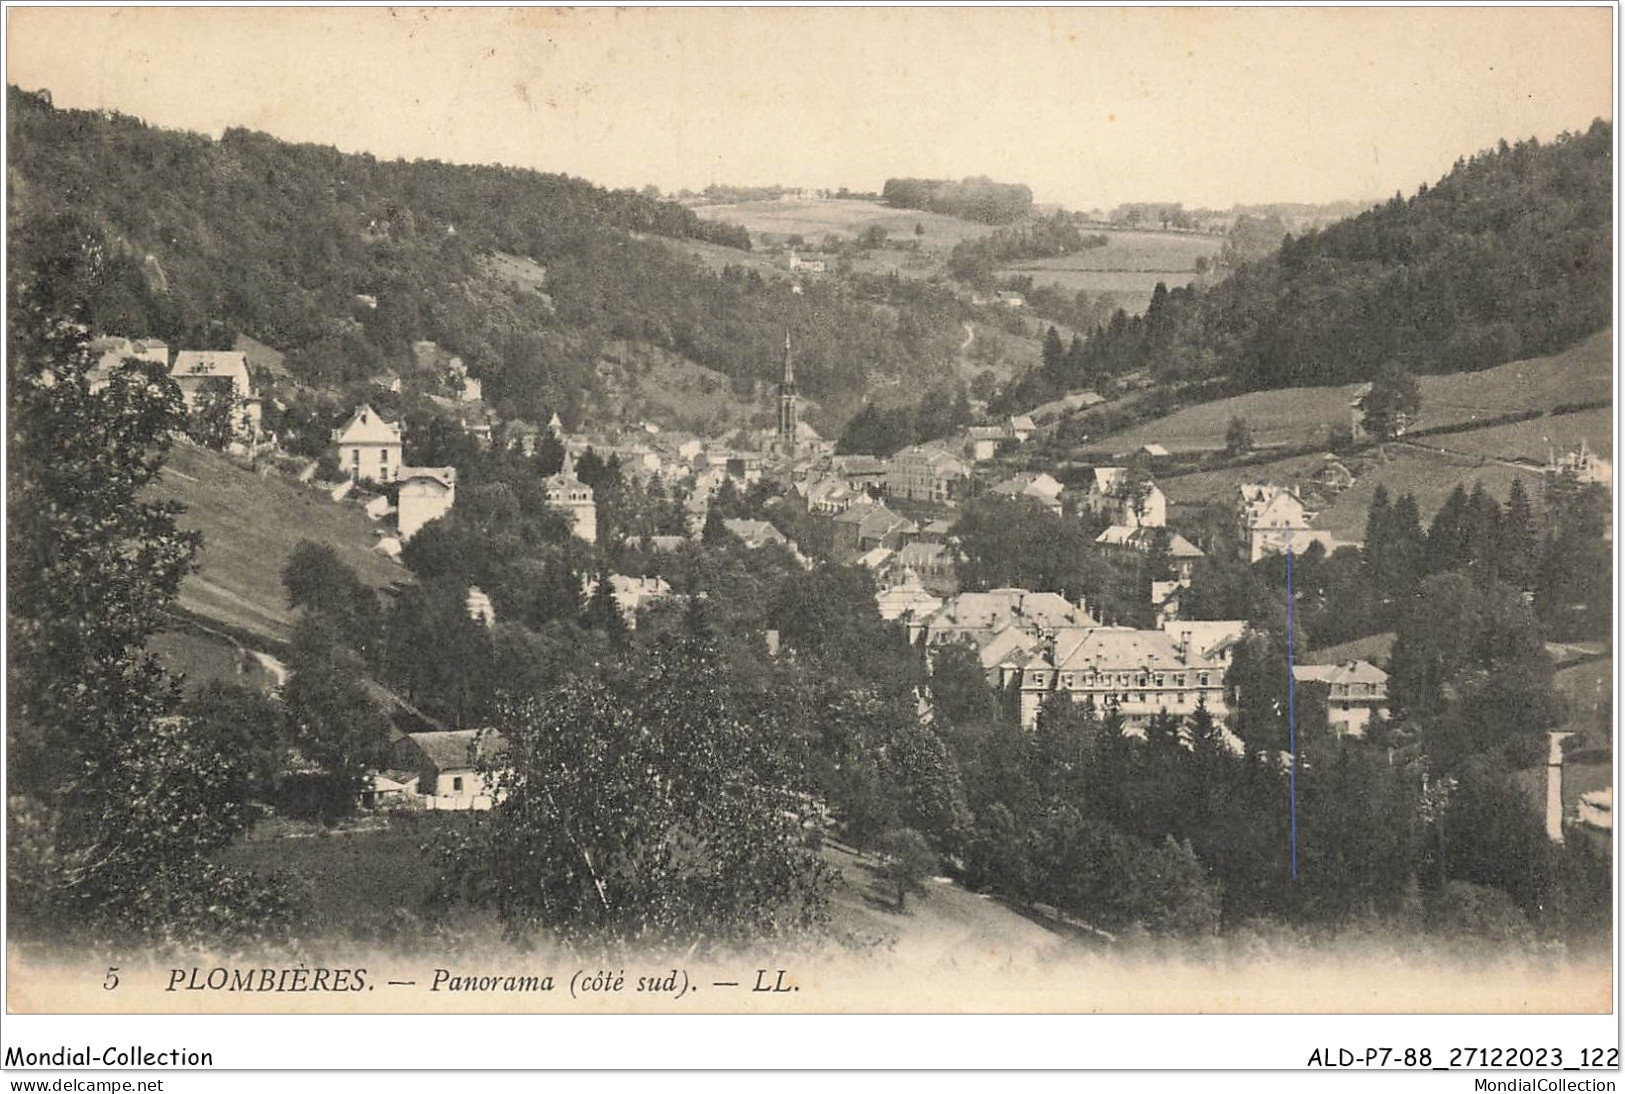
(787, 403)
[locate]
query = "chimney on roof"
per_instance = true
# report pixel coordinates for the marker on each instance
(1184, 646)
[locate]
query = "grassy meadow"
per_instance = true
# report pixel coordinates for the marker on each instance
(203, 658)
(370, 879)
(1582, 373)
(1128, 268)
(250, 524)
(773, 222)
(1428, 476)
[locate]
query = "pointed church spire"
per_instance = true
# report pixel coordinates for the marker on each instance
(787, 403)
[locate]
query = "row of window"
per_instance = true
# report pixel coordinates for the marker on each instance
(1143, 680)
(1069, 681)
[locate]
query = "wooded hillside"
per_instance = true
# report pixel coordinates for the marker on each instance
(342, 261)
(1508, 256)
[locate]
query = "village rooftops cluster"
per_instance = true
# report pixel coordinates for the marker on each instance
(195, 372)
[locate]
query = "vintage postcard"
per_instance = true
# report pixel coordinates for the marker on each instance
(810, 511)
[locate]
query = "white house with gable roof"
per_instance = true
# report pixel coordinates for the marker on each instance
(194, 371)
(369, 447)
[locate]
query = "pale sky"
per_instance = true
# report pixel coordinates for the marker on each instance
(1089, 106)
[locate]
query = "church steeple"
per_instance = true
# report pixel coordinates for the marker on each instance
(787, 402)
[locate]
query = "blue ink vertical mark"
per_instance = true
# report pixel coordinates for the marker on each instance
(1291, 713)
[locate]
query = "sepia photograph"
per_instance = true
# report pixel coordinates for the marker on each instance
(810, 511)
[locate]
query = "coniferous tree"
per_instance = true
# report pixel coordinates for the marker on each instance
(1483, 534)
(1448, 545)
(1404, 556)
(603, 613)
(1518, 549)
(1053, 355)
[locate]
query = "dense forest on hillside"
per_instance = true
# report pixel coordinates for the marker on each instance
(342, 261)
(1508, 256)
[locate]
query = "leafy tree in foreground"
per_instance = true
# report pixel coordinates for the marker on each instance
(319, 581)
(909, 860)
(213, 418)
(640, 805)
(115, 799)
(332, 720)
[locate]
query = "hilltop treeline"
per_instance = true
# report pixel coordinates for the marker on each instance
(1508, 256)
(343, 261)
(979, 199)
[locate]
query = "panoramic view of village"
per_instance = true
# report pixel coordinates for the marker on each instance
(435, 556)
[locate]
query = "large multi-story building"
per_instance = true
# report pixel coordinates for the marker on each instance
(1182, 553)
(926, 473)
(868, 524)
(1038, 486)
(1140, 673)
(976, 617)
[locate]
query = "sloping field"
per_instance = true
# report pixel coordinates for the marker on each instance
(250, 525)
(1531, 440)
(1427, 475)
(1130, 290)
(770, 264)
(1128, 268)
(812, 220)
(1288, 416)
(1134, 252)
(204, 658)
(1582, 373)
